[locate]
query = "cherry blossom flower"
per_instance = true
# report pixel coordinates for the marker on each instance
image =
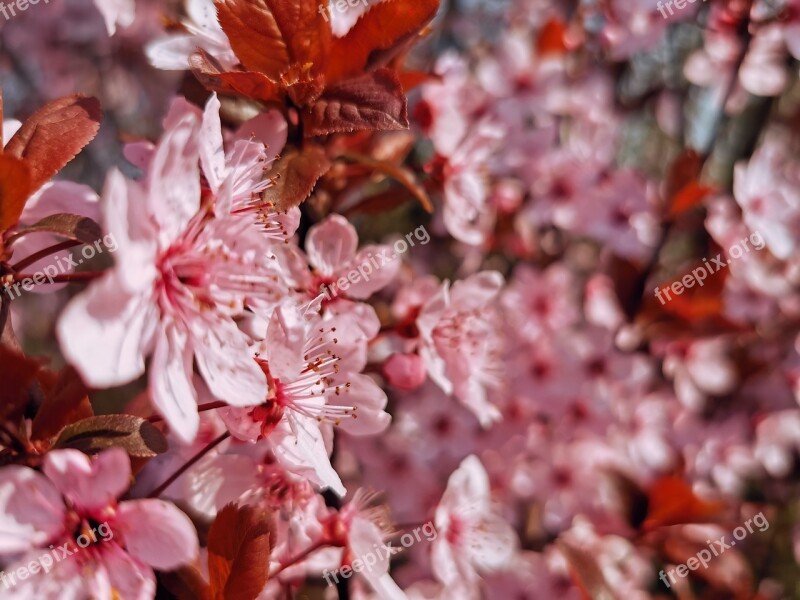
(178, 280)
(103, 548)
(472, 538)
(341, 275)
(313, 369)
(116, 12)
(202, 31)
(460, 342)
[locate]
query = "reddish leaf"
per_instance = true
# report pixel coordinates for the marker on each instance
(133, 434)
(375, 101)
(66, 402)
(74, 227)
(238, 553)
(15, 187)
(696, 303)
(684, 170)
(241, 83)
(552, 38)
(306, 31)
(186, 583)
(687, 198)
(411, 80)
(400, 174)
(378, 34)
(17, 373)
(381, 202)
(255, 35)
(54, 134)
(297, 173)
(728, 573)
(585, 572)
(672, 502)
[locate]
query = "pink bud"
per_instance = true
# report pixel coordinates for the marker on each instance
(404, 371)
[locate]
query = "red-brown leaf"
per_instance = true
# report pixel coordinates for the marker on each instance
(133, 434)
(54, 134)
(238, 553)
(17, 373)
(697, 303)
(585, 572)
(186, 583)
(377, 35)
(306, 32)
(73, 227)
(287, 40)
(255, 36)
(403, 176)
(672, 502)
(552, 38)
(66, 402)
(687, 198)
(239, 83)
(297, 173)
(374, 101)
(684, 169)
(15, 187)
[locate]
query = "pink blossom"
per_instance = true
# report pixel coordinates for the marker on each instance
(341, 275)
(202, 31)
(110, 548)
(54, 198)
(472, 537)
(178, 280)
(116, 12)
(460, 342)
(313, 370)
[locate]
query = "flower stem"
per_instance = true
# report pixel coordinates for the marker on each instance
(65, 278)
(160, 489)
(201, 408)
(44, 253)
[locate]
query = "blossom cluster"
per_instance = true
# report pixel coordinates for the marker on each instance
(377, 318)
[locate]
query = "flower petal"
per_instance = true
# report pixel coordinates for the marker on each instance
(171, 386)
(89, 483)
(157, 533)
(32, 512)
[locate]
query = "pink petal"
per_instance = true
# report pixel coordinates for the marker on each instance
(173, 180)
(132, 230)
(106, 333)
(212, 151)
(372, 278)
(32, 512)
(269, 128)
(405, 371)
(370, 399)
(128, 578)
(286, 336)
(331, 245)
(224, 361)
(90, 484)
(171, 387)
(157, 533)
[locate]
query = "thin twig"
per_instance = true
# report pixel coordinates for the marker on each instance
(160, 489)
